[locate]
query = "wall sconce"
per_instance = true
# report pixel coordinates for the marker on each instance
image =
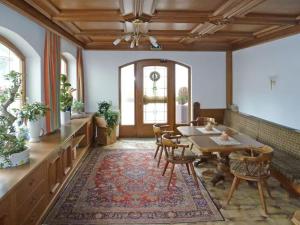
(273, 80)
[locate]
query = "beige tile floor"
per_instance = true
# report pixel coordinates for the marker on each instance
(245, 206)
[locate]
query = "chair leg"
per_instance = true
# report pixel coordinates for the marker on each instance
(157, 148)
(261, 195)
(192, 145)
(188, 169)
(194, 174)
(172, 170)
(160, 154)
(166, 166)
(267, 187)
(232, 189)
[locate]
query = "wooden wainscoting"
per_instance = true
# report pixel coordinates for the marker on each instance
(218, 114)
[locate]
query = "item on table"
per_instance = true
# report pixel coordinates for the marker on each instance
(224, 136)
(209, 127)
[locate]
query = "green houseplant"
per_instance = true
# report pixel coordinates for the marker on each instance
(183, 95)
(32, 114)
(13, 149)
(77, 107)
(65, 99)
(107, 119)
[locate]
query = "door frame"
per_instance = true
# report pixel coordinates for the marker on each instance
(145, 130)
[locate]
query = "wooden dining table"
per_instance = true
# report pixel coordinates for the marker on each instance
(188, 131)
(207, 145)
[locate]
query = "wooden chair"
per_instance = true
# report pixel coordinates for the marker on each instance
(202, 121)
(159, 130)
(252, 167)
(178, 154)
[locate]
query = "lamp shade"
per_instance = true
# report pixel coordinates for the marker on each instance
(117, 41)
(153, 40)
(127, 37)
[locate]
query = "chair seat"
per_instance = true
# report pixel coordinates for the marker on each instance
(250, 170)
(188, 155)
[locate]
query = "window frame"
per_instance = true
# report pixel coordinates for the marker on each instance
(4, 41)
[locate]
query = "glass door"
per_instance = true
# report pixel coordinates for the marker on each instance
(153, 91)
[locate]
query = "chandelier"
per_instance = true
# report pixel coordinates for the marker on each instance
(136, 35)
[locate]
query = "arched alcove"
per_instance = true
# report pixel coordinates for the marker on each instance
(33, 65)
(72, 70)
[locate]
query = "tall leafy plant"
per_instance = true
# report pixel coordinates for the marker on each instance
(10, 141)
(65, 97)
(111, 116)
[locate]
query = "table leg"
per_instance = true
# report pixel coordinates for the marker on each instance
(223, 166)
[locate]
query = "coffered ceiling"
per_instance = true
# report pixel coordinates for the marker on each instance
(177, 24)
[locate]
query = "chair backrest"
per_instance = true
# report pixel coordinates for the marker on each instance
(157, 132)
(202, 121)
(258, 162)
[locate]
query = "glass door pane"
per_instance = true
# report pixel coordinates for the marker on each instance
(127, 95)
(155, 94)
(182, 94)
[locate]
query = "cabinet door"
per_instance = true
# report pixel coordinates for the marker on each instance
(90, 132)
(55, 173)
(67, 159)
(5, 212)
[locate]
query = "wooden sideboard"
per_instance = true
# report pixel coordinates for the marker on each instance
(28, 191)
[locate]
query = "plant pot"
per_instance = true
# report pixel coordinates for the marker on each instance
(65, 117)
(15, 159)
(100, 121)
(182, 114)
(35, 129)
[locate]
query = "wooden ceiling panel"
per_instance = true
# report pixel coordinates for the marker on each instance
(86, 4)
(99, 25)
(243, 28)
(177, 24)
(191, 5)
(283, 7)
(171, 26)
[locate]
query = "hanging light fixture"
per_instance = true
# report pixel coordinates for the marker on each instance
(135, 36)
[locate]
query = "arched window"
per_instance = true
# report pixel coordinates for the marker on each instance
(63, 65)
(11, 59)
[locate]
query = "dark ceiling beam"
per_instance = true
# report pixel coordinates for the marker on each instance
(32, 13)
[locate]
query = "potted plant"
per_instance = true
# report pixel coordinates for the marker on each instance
(182, 107)
(32, 114)
(65, 99)
(13, 149)
(77, 107)
(103, 107)
(107, 121)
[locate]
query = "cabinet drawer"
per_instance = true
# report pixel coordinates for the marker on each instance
(30, 182)
(39, 192)
(5, 213)
(36, 212)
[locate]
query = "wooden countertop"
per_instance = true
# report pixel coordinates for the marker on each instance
(39, 152)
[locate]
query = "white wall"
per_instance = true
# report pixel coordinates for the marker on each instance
(29, 39)
(252, 69)
(102, 69)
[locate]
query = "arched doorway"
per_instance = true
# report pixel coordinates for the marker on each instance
(153, 91)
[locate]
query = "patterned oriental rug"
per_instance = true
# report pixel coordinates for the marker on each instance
(125, 187)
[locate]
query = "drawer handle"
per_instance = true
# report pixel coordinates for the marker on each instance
(31, 182)
(33, 200)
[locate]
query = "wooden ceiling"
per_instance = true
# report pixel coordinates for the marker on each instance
(177, 24)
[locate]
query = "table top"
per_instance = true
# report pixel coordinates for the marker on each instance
(206, 144)
(189, 131)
